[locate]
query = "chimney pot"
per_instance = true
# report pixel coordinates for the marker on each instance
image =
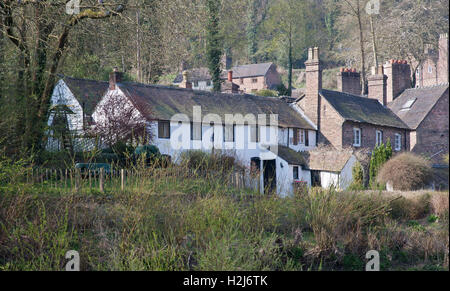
(230, 76)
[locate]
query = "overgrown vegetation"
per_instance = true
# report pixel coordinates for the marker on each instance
(174, 218)
(406, 172)
(380, 155)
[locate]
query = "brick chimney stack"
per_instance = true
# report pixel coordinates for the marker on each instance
(185, 83)
(310, 103)
(115, 77)
(228, 86)
(443, 59)
(377, 85)
(349, 81)
(398, 74)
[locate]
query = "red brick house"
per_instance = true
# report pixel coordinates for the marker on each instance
(434, 70)
(250, 78)
(349, 120)
(426, 111)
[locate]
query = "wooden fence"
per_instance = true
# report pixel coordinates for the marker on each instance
(122, 178)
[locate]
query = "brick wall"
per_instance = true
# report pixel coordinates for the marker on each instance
(368, 135)
(377, 85)
(398, 78)
(330, 125)
(428, 73)
(442, 67)
(433, 133)
(349, 82)
(273, 78)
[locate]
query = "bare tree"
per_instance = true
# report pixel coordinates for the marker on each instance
(117, 121)
(39, 30)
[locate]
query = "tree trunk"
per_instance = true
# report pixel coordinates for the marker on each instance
(361, 43)
(374, 43)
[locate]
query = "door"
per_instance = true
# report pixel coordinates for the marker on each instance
(270, 176)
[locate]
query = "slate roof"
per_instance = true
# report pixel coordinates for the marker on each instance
(327, 160)
(87, 92)
(362, 109)
(244, 71)
(194, 75)
(291, 156)
(425, 99)
(162, 102)
(251, 70)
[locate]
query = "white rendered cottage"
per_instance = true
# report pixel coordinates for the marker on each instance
(185, 119)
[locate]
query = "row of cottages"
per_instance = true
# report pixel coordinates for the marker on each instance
(250, 78)
(181, 119)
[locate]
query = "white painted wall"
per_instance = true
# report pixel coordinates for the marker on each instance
(341, 180)
(63, 96)
(202, 85)
(346, 175)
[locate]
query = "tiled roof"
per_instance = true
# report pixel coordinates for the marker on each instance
(87, 92)
(244, 71)
(330, 160)
(251, 70)
(162, 102)
(423, 101)
(362, 109)
(194, 75)
(290, 156)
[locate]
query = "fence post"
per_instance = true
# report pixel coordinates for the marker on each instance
(102, 173)
(77, 186)
(122, 179)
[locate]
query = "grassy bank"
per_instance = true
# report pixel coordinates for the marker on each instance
(198, 222)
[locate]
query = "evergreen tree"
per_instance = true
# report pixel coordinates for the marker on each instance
(252, 32)
(380, 155)
(214, 43)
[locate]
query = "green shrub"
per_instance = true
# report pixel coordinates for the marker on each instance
(380, 155)
(266, 93)
(406, 172)
(201, 161)
(358, 177)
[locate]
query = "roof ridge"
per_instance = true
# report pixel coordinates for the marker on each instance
(80, 79)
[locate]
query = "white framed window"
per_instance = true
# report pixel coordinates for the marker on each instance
(302, 136)
(228, 133)
(254, 133)
(163, 129)
(356, 137)
(430, 69)
(398, 142)
(378, 137)
(196, 131)
(295, 173)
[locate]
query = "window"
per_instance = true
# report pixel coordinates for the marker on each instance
(306, 138)
(356, 137)
(378, 137)
(228, 133)
(254, 134)
(242, 80)
(295, 139)
(211, 124)
(254, 80)
(163, 129)
(196, 131)
(296, 173)
(430, 69)
(408, 104)
(299, 136)
(195, 83)
(398, 142)
(208, 83)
